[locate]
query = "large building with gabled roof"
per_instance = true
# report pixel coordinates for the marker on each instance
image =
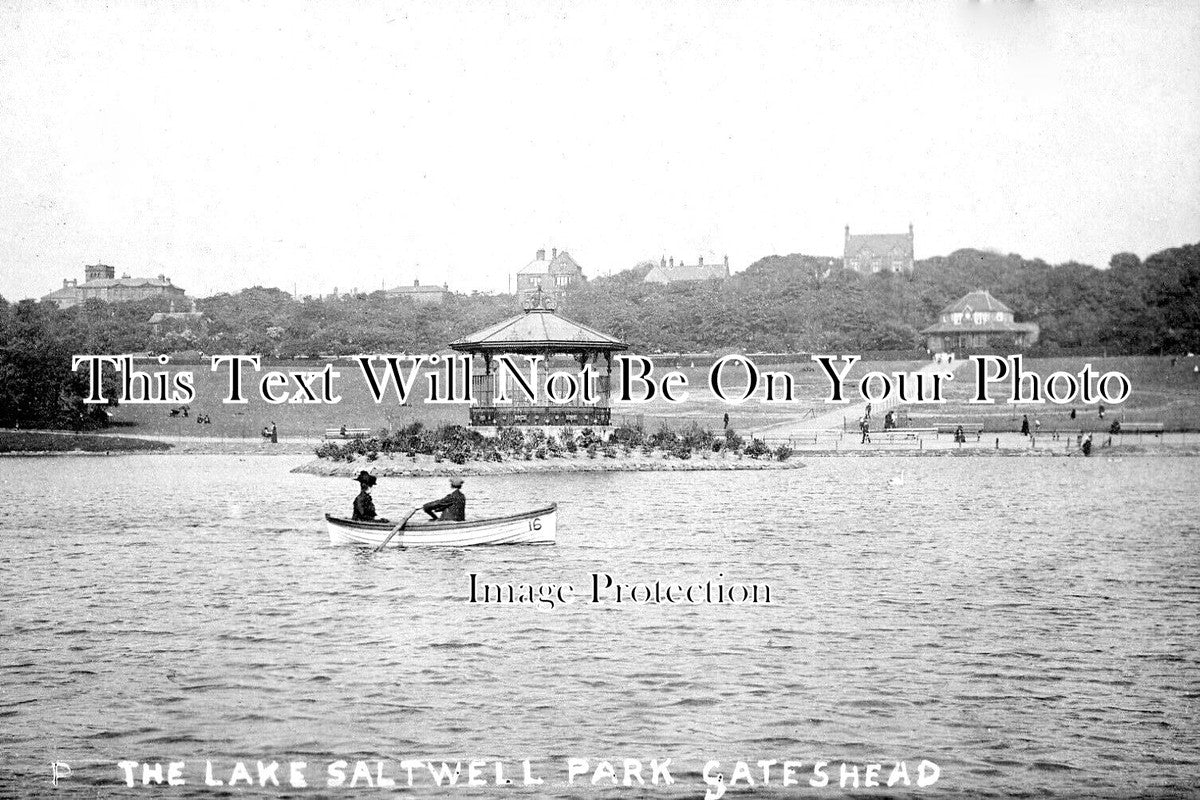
(670, 272)
(978, 322)
(553, 275)
(419, 293)
(100, 283)
(879, 252)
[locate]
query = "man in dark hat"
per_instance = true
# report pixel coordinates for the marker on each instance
(453, 506)
(364, 506)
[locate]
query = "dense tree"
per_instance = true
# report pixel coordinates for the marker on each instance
(793, 303)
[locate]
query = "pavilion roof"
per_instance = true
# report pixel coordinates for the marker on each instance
(538, 330)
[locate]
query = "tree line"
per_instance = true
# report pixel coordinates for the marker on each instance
(794, 303)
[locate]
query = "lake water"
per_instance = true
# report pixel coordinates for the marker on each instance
(1030, 625)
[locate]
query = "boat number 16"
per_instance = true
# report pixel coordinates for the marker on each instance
(535, 524)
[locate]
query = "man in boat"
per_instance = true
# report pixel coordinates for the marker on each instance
(453, 506)
(364, 506)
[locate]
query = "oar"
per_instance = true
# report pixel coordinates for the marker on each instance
(397, 529)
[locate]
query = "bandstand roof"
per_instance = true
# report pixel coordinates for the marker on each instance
(538, 330)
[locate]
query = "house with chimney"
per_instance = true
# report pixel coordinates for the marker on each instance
(420, 294)
(879, 252)
(100, 283)
(668, 271)
(552, 275)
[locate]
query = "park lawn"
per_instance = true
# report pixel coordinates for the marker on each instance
(1161, 392)
(357, 408)
(41, 442)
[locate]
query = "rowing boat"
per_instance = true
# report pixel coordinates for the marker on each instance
(530, 527)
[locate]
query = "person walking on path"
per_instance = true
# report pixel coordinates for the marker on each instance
(865, 426)
(1025, 425)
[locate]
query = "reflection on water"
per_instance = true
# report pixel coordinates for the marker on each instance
(1029, 624)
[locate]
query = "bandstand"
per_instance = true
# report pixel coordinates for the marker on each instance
(538, 331)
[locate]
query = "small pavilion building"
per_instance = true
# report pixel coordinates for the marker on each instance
(564, 345)
(978, 322)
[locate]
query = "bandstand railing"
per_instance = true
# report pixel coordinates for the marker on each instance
(541, 415)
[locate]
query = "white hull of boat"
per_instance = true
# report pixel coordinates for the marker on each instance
(531, 527)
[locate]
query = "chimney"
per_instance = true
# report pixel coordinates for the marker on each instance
(727, 263)
(416, 282)
(847, 233)
(672, 261)
(554, 253)
(910, 230)
(701, 261)
(64, 283)
(541, 255)
(663, 263)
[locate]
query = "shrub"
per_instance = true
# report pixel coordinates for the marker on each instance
(664, 438)
(756, 448)
(697, 438)
(510, 439)
(783, 452)
(628, 435)
(330, 450)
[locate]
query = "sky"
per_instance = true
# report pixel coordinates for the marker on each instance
(366, 144)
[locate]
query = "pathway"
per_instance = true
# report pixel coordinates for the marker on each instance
(839, 417)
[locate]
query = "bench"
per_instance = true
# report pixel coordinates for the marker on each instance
(1142, 427)
(902, 433)
(950, 429)
(810, 436)
(347, 433)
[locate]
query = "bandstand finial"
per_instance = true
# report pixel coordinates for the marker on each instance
(539, 301)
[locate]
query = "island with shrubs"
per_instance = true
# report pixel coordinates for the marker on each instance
(417, 450)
